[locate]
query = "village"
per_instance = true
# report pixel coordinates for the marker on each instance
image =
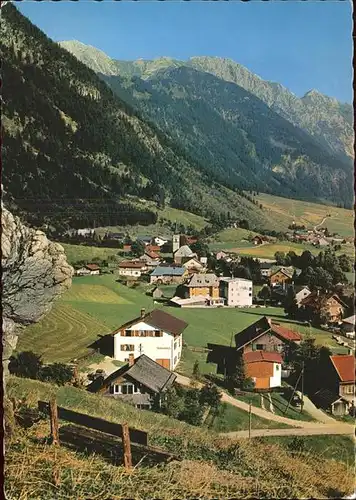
(267, 358)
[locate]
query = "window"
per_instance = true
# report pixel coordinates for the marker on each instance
(127, 347)
(158, 333)
(117, 389)
(348, 389)
(130, 389)
(250, 294)
(124, 389)
(175, 345)
(128, 333)
(260, 347)
(277, 368)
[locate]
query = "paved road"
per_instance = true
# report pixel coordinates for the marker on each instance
(319, 415)
(297, 427)
(318, 429)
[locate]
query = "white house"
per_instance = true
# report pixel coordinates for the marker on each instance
(237, 291)
(302, 294)
(89, 269)
(157, 334)
(159, 241)
(193, 265)
(265, 368)
(132, 268)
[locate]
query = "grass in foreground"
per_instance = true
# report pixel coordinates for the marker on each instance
(210, 466)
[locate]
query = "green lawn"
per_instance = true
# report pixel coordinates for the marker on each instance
(98, 304)
(76, 253)
(232, 419)
(340, 448)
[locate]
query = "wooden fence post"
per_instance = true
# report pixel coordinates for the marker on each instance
(127, 446)
(54, 421)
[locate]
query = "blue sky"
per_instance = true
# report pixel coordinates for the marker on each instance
(302, 45)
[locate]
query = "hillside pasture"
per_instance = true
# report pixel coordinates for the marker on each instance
(285, 211)
(76, 253)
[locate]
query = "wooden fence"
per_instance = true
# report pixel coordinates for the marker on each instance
(122, 431)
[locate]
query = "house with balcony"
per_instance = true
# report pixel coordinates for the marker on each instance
(132, 268)
(156, 334)
(203, 286)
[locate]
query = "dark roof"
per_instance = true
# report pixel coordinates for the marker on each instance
(168, 271)
(315, 300)
(262, 326)
(144, 371)
(159, 319)
(326, 398)
(252, 332)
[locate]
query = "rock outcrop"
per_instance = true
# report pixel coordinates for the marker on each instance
(34, 273)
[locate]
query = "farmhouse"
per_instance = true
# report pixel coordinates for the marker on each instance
(348, 326)
(168, 275)
(142, 383)
(183, 254)
(264, 337)
(265, 268)
(236, 291)
(132, 268)
(193, 265)
(319, 305)
(151, 259)
(89, 269)
(157, 334)
(282, 276)
(265, 368)
(338, 393)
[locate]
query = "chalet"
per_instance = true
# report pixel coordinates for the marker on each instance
(89, 269)
(236, 291)
(263, 335)
(264, 368)
(151, 259)
(168, 275)
(157, 334)
(204, 286)
(193, 265)
(183, 254)
(331, 402)
(257, 240)
(142, 383)
(282, 276)
(132, 268)
(317, 304)
(338, 392)
(348, 326)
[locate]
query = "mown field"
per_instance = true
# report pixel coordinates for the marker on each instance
(96, 305)
(285, 211)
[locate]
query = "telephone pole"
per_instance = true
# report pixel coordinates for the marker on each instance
(249, 419)
(302, 403)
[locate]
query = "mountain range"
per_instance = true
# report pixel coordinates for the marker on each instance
(83, 144)
(247, 131)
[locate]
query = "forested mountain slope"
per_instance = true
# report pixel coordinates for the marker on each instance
(231, 132)
(326, 119)
(75, 154)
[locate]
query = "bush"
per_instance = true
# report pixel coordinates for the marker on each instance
(58, 373)
(26, 364)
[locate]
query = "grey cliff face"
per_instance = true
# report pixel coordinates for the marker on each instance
(34, 273)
